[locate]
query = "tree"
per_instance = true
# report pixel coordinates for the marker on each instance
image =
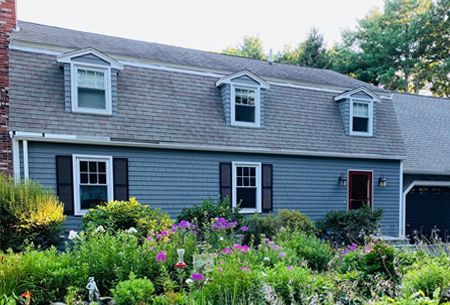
(389, 47)
(309, 53)
(251, 47)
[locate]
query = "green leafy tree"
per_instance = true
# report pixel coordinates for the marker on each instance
(251, 47)
(390, 47)
(309, 53)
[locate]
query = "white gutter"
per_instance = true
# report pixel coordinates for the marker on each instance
(16, 159)
(426, 172)
(92, 140)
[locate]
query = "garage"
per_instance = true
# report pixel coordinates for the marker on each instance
(428, 207)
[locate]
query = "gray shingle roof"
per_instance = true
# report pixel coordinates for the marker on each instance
(37, 33)
(425, 125)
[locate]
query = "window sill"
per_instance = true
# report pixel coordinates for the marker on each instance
(249, 211)
(242, 124)
(93, 112)
(361, 134)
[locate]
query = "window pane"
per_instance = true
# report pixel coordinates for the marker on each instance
(252, 171)
(239, 181)
(83, 178)
(246, 197)
(93, 178)
(252, 181)
(361, 109)
(245, 114)
(91, 196)
(90, 79)
(246, 171)
(93, 167)
(361, 124)
(102, 178)
(91, 98)
(83, 166)
(101, 167)
(246, 181)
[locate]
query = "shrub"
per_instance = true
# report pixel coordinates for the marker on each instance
(46, 274)
(428, 275)
(28, 213)
(316, 253)
(134, 292)
(346, 227)
(296, 221)
(202, 215)
(122, 215)
(296, 285)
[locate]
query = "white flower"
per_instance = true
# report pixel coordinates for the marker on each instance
(73, 235)
(131, 230)
(189, 281)
(221, 238)
(100, 229)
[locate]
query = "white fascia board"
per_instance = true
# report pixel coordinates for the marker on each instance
(348, 94)
(228, 79)
(67, 57)
(426, 172)
(198, 147)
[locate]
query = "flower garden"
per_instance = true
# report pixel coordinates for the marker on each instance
(211, 255)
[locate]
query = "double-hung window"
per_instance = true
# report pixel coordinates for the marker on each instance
(91, 89)
(247, 186)
(92, 181)
(245, 106)
(361, 117)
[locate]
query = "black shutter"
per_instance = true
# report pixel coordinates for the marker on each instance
(120, 171)
(267, 194)
(64, 182)
(225, 181)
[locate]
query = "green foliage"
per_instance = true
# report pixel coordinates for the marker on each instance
(297, 285)
(122, 215)
(309, 53)
(202, 215)
(250, 47)
(28, 213)
(346, 227)
(134, 292)
(427, 275)
(268, 226)
(309, 249)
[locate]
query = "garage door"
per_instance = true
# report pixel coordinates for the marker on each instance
(428, 207)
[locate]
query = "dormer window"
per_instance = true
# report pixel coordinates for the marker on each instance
(91, 89)
(90, 74)
(245, 106)
(357, 111)
(361, 117)
(242, 93)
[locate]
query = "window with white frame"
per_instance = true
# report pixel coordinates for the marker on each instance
(92, 182)
(91, 89)
(361, 117)
(245, 106)
(247, 187)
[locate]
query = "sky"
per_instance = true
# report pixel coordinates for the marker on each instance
(202, 24)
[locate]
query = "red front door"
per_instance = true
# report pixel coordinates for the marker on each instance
(359, 189)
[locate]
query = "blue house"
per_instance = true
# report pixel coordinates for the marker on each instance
(98, 118)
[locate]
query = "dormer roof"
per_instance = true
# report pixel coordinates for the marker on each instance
(350, 93)
(69, 56)
(229, 79)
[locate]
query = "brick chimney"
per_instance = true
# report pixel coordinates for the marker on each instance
(8, 22)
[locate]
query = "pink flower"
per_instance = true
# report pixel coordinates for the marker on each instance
(290, 268)
(185, 224)
(161, 257)
(245, 268)
(197, 277)
(242, 248)
(164, 233)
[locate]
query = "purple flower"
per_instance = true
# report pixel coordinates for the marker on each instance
(242, 248)
(222, 223)
(227, 250)
(161, 257)
(197, 277)
(290, 268)
(352, 247)
(185, 224)
(281, 255)
(276, 247)
(245, 268)
(244, 229)
(345, 252)
(220, 270)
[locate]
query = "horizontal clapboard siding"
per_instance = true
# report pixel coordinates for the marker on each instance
(172, 180)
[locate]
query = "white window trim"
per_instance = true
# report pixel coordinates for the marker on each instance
(257, 105)
(76, 178)
(74, 88)
(258, 186)
(370, 130)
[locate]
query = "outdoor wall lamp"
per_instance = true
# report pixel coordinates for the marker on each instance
(3, 97)
(342, 180)
(382, 181)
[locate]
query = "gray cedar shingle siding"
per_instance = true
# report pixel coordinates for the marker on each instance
(172, 180)
(425, 124)
(155, 105)
(158, 53)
